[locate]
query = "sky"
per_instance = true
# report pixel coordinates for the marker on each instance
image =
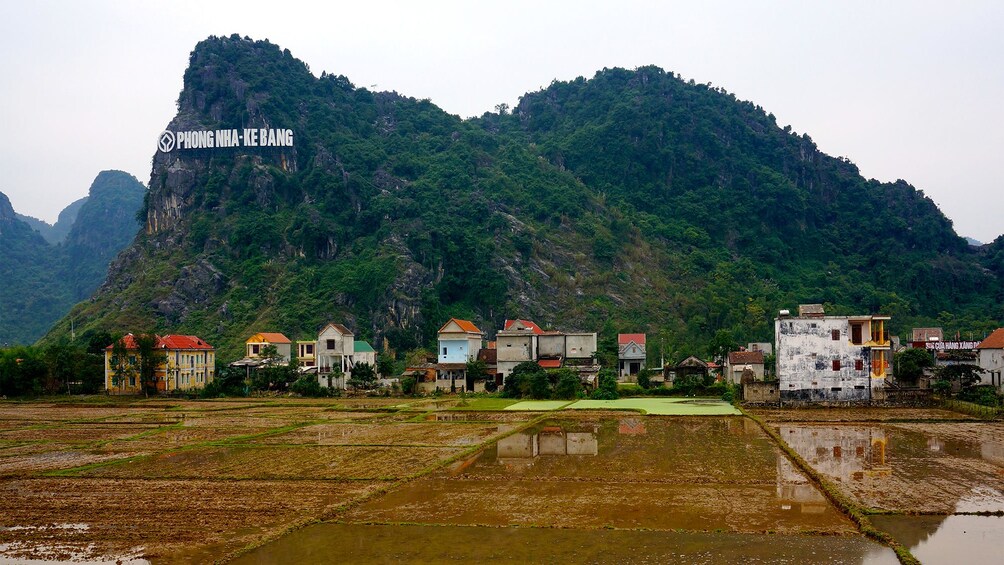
(907, 90)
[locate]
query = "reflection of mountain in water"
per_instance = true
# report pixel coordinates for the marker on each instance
(842, 452)
(523, 447)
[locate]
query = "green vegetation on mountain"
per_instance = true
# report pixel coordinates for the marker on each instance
(631, 201)
(41, 281)
(56, 233)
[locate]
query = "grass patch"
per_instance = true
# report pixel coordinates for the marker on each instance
(485, 404)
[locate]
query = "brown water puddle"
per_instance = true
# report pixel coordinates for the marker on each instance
(324, 543)
(948, 539)
(698, 474)
(935, 467)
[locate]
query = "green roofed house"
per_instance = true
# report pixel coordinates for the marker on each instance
(364, 353)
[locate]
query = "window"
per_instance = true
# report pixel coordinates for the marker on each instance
(331, 344)
(255, 348)
(859, 365)
(836, 364)
(856, 333)
(444, 351)
(835, 335)
(309, 349)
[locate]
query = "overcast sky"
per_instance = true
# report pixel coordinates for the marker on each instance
(911, 90)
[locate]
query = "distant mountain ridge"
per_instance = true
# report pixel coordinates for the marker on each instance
(56, 233)
(42, 280)
(634, 201)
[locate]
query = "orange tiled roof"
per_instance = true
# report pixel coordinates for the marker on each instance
(272, 337)
(465, 325)
(184, 342)
(624, 339)
(529, 324)
(746, 358)
(993, 341)
(167, 342)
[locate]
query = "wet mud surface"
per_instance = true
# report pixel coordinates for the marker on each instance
(628, 472)
(324, 543)
(190, 481)
(909, 468)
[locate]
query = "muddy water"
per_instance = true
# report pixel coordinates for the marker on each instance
(325, 543)
(935, 467)
(948, 539)
(699, 474)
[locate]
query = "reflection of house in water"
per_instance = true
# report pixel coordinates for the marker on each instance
(993, 451)
(842, 452)
(795, 492)
(522, 448)
(632, 427)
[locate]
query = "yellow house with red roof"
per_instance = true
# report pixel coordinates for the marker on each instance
(259, 341)
(189, 363)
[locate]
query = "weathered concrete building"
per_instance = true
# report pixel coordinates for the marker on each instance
(831, 358)
(516, 343)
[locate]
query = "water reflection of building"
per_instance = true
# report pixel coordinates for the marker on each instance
(795, 492)
(632, 427)
(523, 447)
(842, 452)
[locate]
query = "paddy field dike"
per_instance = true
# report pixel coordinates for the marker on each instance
(376, 480)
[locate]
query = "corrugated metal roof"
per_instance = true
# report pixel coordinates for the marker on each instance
(362, 347)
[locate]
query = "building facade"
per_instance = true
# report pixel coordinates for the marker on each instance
(991, 359)
(334, 350)
(738, 362)
(257, 343)
(188, 363)
(631, 354)
(831, 358)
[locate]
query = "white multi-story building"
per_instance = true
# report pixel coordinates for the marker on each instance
(831, 358)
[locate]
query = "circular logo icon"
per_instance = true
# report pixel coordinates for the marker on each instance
(166, 142)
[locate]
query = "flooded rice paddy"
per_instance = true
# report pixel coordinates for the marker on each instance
(184, 481)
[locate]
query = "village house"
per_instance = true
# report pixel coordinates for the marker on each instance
(459, 342)
(188, 363)
(305, 354)
(516, 343)
(363, 352)
(991, 358)
(831, 358)
(630, 355)
(257, 343)
(739, 362)
(691, 367)
(334, 349)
